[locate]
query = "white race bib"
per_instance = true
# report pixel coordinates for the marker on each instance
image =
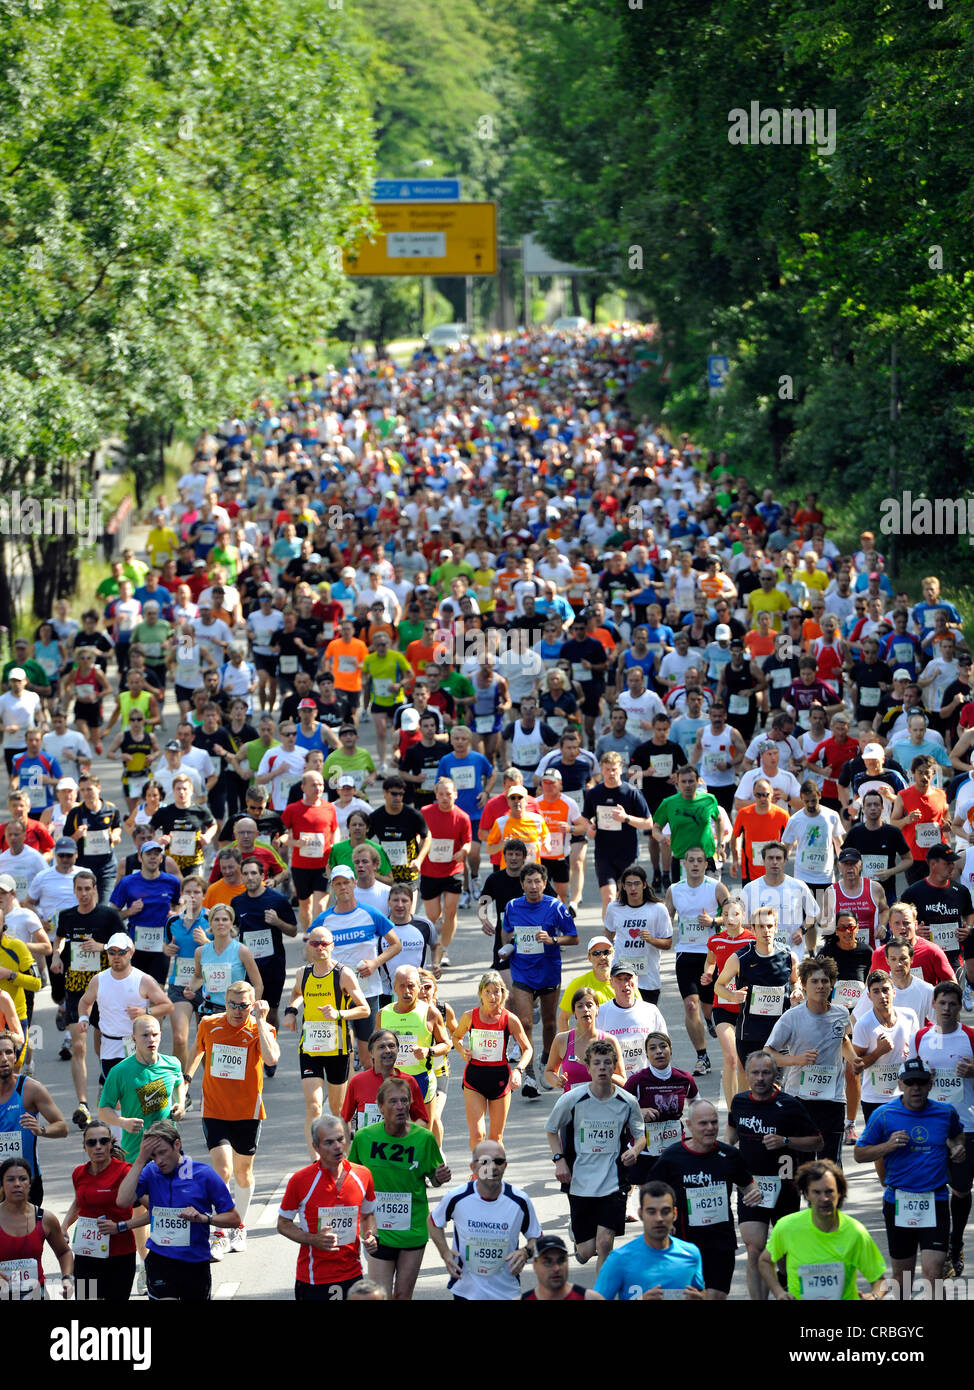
(320, 1037)
(580, 672)
(821, 1282)
(943, 934)
(149, 938)
(22, 1276)
(915, 1210)
(342, 1220)
(767, 1001)
(884, 1079)
(288, 665)
(527, 754)
(813, 859)
(848, 992)
(483, 724)
(87, 1241)
(484, 1257)
(169, 1228)
(486, 1045)
(869, 696)
(185, 970)
(873, 864)
(217, 976)
(598, 1139)
(371, 1115)
(183, 843)
(228, 1063)
(738, 704)
(660, 1133)
(605, 820)
(661, 765)
(37, 795)
(382, 687)
(927, 833)
(347, 665)
(947, 1086)
(441, 852)
(396, 854)
(817, 1083)
(770, 1188)
(781, 678)
(393, 1210)
(525, 940)
(556, 844)
(84, 960)
(11, 1143)
(312, 846)
(260, 943)
(708, 1206)
(97, 842)
(464, 778)
(694, 933)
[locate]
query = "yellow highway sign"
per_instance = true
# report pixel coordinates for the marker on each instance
(429, 239)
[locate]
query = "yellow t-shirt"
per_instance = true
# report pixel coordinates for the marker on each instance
(587, 981)
(162, 544)
(774, 602)
(14, 955)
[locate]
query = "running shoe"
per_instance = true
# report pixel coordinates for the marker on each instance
(270, 1071)
(703, 1067)
(851, 1134)
(141, 1285)
(219, 1245)
(529, 1087)
(82, 1116)
(710, 1028)
(968, 1000)
(238, 1241)
(64, 1055)
(464, 899)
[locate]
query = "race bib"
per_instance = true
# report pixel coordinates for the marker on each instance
(556, 844)
(927, 833)
(149, 938)
(22, 1276)
(694, 933)
(605, 820)
(884, 1079)
(343, 1221)
(169, 1228)
(312, 846)
(464, 778)
(660, 1133)
(947, 1086)
(396, 854)
(597, 1139)
(711, 762)
(848, 992)
(767, 1001)
(228, 1063)
(186, 672)
(371, 1114)
(527, 754)
(288, 665)
(260, 943)
(781, 678)
(822, 1282)
(915, 1209)
(580, 672)
(382, 687)
(37, 795)
(97, 842)
(320, 1037)
(135, 786)
(486, 1045)
(185, 970)
(755, 850)
(661, 765)
(347, 665)
(869, 696)
(484, 1257)
(633, 1052)
(525, 940)
(817, 1083)
(183, 843)
(814, 859)
(441, 852)
(770, 1188)
(85, 960)
(708, 1206)
(11, 1143)
(217, 977)
(405, 1058)
(393, 1210)
(483, 724)
(738, 704)
(942, 934)
(87, 1241)
(873, 864)
(429, 779)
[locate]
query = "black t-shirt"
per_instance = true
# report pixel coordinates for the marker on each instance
(854, 964)
(700, 1175)
(622, 844)
(250, 919)
(221, 736)
(869, 677)
(107, 819)
(418, 759)
(73, 926)
(647, 757)
(171, 820)
(762, 972)
(779, 1114)
(943, 910)
(886, 839)
(400, 836)
(285, 644)
(333, 714)
(587, 649)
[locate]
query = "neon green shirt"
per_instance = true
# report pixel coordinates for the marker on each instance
(816, 1257)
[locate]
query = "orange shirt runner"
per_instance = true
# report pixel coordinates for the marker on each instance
(758, 830)
(345, 660)
(233, 1070)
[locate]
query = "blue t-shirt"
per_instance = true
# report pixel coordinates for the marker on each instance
(467, 796)
(191, 1184)
(157, 894)
(177, 931)
(636, 1267)
(541, 967)
(250, 919)
(921, 1165)
(356, 934)
(30, 771)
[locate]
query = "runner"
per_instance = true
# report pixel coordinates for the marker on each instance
(359, 1108)
(264, 918)
(401, 1157)
(658, 1266)
(565, 1068)
(489, 1216)
(419, 1028)
(488, 1077)
(693, 904)
(550, 1266)
(767, 978)
(441, 882)
(27, 1113)
(234, 1047)
(882, 1038)
(639, 927)
(103, 1243)
(25, 1228)
(220, 962)
(313, 830)
(327, 1209)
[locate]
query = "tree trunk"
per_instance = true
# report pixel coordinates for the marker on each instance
(7, 613)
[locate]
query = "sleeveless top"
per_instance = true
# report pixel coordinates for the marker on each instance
(576, 1073)
(412, 1030)
(320, 1036)
(488, 1039)
(220, 970)
(17, 1253)
(862, 905)
(16, 1142)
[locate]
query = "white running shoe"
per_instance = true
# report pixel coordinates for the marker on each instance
(238, 1241)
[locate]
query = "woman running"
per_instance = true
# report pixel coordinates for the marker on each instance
(565, 1068)
(489, 1078)
(732, 936)
(103, 1243)
(24, 1229)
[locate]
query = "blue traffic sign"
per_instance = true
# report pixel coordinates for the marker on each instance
(718, 369)
(416, 190)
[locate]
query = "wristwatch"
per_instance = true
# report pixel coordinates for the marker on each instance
(122, 1227)
(556, 1158)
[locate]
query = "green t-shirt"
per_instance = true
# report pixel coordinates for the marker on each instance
(689, 822)
(398, 1167)
(382, 671)
(836, 1254)
(136, 570)
(341, 853)
(255, 750)
(443, 576)
(108, 588)
(457, 685)
(141, 1090)
(153, 637)
(409, 632)
(356, 764)
(33, 670)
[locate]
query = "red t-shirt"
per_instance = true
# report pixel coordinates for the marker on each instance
(364, 1087)
(928, 959)
(723, 947)
(933, 810)
(302, 819)
(37, 836)
(97, 1195)
(834, 755)
(447, 828)
(310, 1194)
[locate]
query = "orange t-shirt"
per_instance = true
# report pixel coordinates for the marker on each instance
(235, 1091)
(220, 891)
(419, 655)
(345, 660)
(555, 815)
(530, 828)
(810, 630)
(757, 645)
(758, 829)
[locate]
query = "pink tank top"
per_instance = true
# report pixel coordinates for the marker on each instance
(575, 1073)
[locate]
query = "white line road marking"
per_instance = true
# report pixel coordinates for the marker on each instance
(226, 1291)
(266, 1218)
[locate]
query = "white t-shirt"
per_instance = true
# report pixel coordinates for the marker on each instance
(879, 1081)
(484, 1234)
(815, 854)
(783, 782)
(629, 1027)
(918, 996)
(623, 924)
(21, 711)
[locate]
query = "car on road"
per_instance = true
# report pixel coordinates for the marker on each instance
(448, 337)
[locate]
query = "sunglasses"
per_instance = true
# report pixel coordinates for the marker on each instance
(91, 1143)
(600, 953)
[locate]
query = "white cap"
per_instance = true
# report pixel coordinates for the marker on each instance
(345, 781)
(341, 871)
(723, 632)
(901, 674)
(873, 750)
(119, 942)
(18, 673)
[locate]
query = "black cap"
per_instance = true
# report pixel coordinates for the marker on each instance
(849, 855)
(620, 968)
(544, 1243)
(914, 1068)
(941, 852)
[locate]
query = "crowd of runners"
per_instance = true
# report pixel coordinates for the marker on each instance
(460, 650)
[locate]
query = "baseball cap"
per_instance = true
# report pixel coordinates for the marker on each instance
(18, 673)
(598, 941)
(551, 774)
(174, 746)
(723, 632)
(345, 781)
(915, 1068)
(314, 559)
(620, 968)
(151, 844)
(849, 855)
(66, 845)
(341, 871)
(307, 704)
(545, 1243)
(119, 942)
(901, 674)
(7, 884)
(942, 852)
(66, 782)
(874, 750)
(199, 564)
(446, 554)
